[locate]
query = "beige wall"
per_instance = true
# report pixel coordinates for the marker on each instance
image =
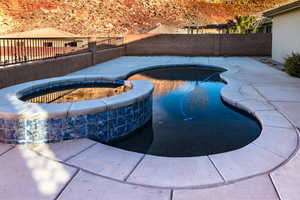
(54, 67)
(144, 45)
(202, 45)
(286, 35)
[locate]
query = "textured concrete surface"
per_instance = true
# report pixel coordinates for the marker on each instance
(107, 161)
(4, 148)
(291, 110)
(175, 172)
(109, 173)
(280, 141)
(272, 118)
(64, 150)
(245, 162)
(25, 175)
(287, 179)
(258, 188)
(88, 186)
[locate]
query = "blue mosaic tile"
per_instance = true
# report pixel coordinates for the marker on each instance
(95, 118)
(92, 129)
(121, 111)
(129, 110)
(102, 124)
(22, 142)
(67, 135)
(2, 123)
(28, 135)
(137, 114)
(121, 130)
(92, 119)
(76, 121)
(97, 132)
(20, 135)
(121, 120)
(130, 127)
(70, 132)
(38, 135)
(135, 107)
(117, 132)
(10, 134)
(10, 124)
(56, 123)
(2, 135)
(21, 127)
(112, 123)
(54, 134)
(41, 124)
(140, 104)
(130, 118)
(69, 123)
(81, 131)
(112, 114)
(29, 124)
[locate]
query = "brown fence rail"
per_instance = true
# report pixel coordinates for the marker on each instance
(19, 50)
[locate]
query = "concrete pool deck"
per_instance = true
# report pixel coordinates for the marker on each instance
(266, 169)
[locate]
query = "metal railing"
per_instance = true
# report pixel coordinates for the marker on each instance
(19, 50)
(109, 42)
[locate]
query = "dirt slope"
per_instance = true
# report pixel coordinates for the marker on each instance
(120, 16)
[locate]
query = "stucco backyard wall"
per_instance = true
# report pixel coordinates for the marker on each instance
(60, 66)
(286, 35)
(141, 45)
(202, 45)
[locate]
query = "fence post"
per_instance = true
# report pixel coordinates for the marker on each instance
(124, 44)
(92, 48)
(217, 45)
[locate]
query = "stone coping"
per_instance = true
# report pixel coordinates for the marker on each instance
(10, 102)
(274, 147)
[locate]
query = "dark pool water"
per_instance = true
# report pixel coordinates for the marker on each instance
(189, 116)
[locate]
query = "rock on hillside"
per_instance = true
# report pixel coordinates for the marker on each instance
(112, 17)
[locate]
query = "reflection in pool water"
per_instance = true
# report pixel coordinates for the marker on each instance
(189, 117)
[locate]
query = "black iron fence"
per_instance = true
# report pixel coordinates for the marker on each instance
(19, 50)
(109, 42)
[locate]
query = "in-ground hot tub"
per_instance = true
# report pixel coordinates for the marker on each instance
(57, 109)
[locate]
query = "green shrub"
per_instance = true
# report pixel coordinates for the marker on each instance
(292, 64)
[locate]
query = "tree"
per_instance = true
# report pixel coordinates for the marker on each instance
(243, 24)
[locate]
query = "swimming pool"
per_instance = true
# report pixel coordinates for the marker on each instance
(189, 116)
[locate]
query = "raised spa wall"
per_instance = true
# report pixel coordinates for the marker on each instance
(106, 119)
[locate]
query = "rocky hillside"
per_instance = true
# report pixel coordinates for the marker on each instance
(120, 16)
